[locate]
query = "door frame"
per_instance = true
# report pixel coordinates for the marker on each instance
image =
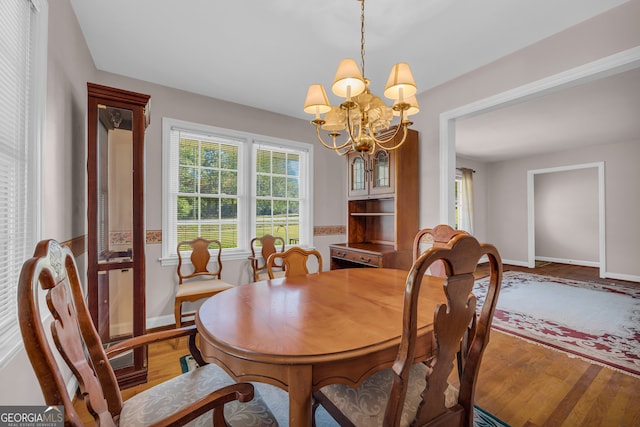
(531, 223)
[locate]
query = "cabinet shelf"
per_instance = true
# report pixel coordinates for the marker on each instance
(382, 208)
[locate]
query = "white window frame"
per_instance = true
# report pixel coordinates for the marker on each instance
(248, 144)
(458, 198)
(33, 141)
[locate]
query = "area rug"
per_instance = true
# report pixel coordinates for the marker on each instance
(277, 400)
(598, 323)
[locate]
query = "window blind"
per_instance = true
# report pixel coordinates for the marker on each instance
(20, 83)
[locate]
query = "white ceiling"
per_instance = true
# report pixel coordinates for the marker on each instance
(603, 111)
(264, 54)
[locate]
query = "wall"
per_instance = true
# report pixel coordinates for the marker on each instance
(603, 35)
(566, 216)
(508, 198)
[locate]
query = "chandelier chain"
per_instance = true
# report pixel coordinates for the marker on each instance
(362, 37)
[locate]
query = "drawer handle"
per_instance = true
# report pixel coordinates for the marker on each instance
(363, 259)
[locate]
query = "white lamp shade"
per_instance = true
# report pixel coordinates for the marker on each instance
(334, 120)
(413, 106)
(348, 76)
(400, 83)
(316, 101)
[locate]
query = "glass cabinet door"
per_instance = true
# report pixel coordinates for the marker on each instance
(114, 187)
(382, 179)
(358, 185)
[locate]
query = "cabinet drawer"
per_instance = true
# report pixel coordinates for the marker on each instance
(357, 257)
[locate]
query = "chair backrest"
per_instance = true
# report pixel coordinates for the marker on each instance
(200, 257)
(437, 236)
(294, 261)
(460, 257)
(51, 275)
(268, 245)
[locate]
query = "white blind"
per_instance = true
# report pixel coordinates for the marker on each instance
(19, 153)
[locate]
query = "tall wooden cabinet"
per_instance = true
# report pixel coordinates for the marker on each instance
(116, 229)
(382, 208)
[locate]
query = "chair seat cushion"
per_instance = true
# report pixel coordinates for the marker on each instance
(166, 398)
(276, 274)
(365, 405)
(201, 288)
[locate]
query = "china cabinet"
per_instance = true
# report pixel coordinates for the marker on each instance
(117, 120)
(382, 208)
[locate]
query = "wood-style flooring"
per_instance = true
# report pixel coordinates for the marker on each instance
(531, 385)
(524, 384)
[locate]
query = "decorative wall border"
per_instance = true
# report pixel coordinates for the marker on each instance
(78, 245)
(329, 230)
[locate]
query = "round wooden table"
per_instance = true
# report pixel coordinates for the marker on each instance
(301, 333)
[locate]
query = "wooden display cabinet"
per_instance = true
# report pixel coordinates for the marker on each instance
(382, 208)
(116, 230)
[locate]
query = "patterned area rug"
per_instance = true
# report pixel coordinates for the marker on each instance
(276, 399)
(598, 323)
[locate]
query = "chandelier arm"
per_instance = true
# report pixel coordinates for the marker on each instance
(350, 130)
(346, 147)
(381, 143)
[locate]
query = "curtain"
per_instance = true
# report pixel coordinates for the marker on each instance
(466, 211)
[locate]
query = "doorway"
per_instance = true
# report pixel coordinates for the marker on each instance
(599, 220)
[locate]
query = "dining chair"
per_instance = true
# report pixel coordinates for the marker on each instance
(206, 394)
(267, 245)
(199, 282)
(420, 393)
(437, 236)
(294, 261)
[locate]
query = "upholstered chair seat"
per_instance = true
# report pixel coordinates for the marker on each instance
(365, 405)
(155, 404)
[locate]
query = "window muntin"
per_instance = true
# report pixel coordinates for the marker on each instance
(278, 196)
(207, 198)
(233, 186)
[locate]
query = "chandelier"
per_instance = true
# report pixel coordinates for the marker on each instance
(365, 117)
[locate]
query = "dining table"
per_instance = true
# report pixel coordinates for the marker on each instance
(303, 332)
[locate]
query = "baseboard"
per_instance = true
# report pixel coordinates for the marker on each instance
(569, 261)
(72, 387)
(516, 263)
(161, 322)
(618, 276)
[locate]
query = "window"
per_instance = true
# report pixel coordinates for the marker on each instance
(464, 199)
(23, 31)
(278, 197)
(231, 186)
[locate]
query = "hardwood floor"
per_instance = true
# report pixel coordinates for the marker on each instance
(521, 383)
(531, 385)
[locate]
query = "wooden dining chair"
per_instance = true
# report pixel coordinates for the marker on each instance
(198, 281)
(437, 236)
(294, 261)
(51, 275)
(265, 245)
(420, 393)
